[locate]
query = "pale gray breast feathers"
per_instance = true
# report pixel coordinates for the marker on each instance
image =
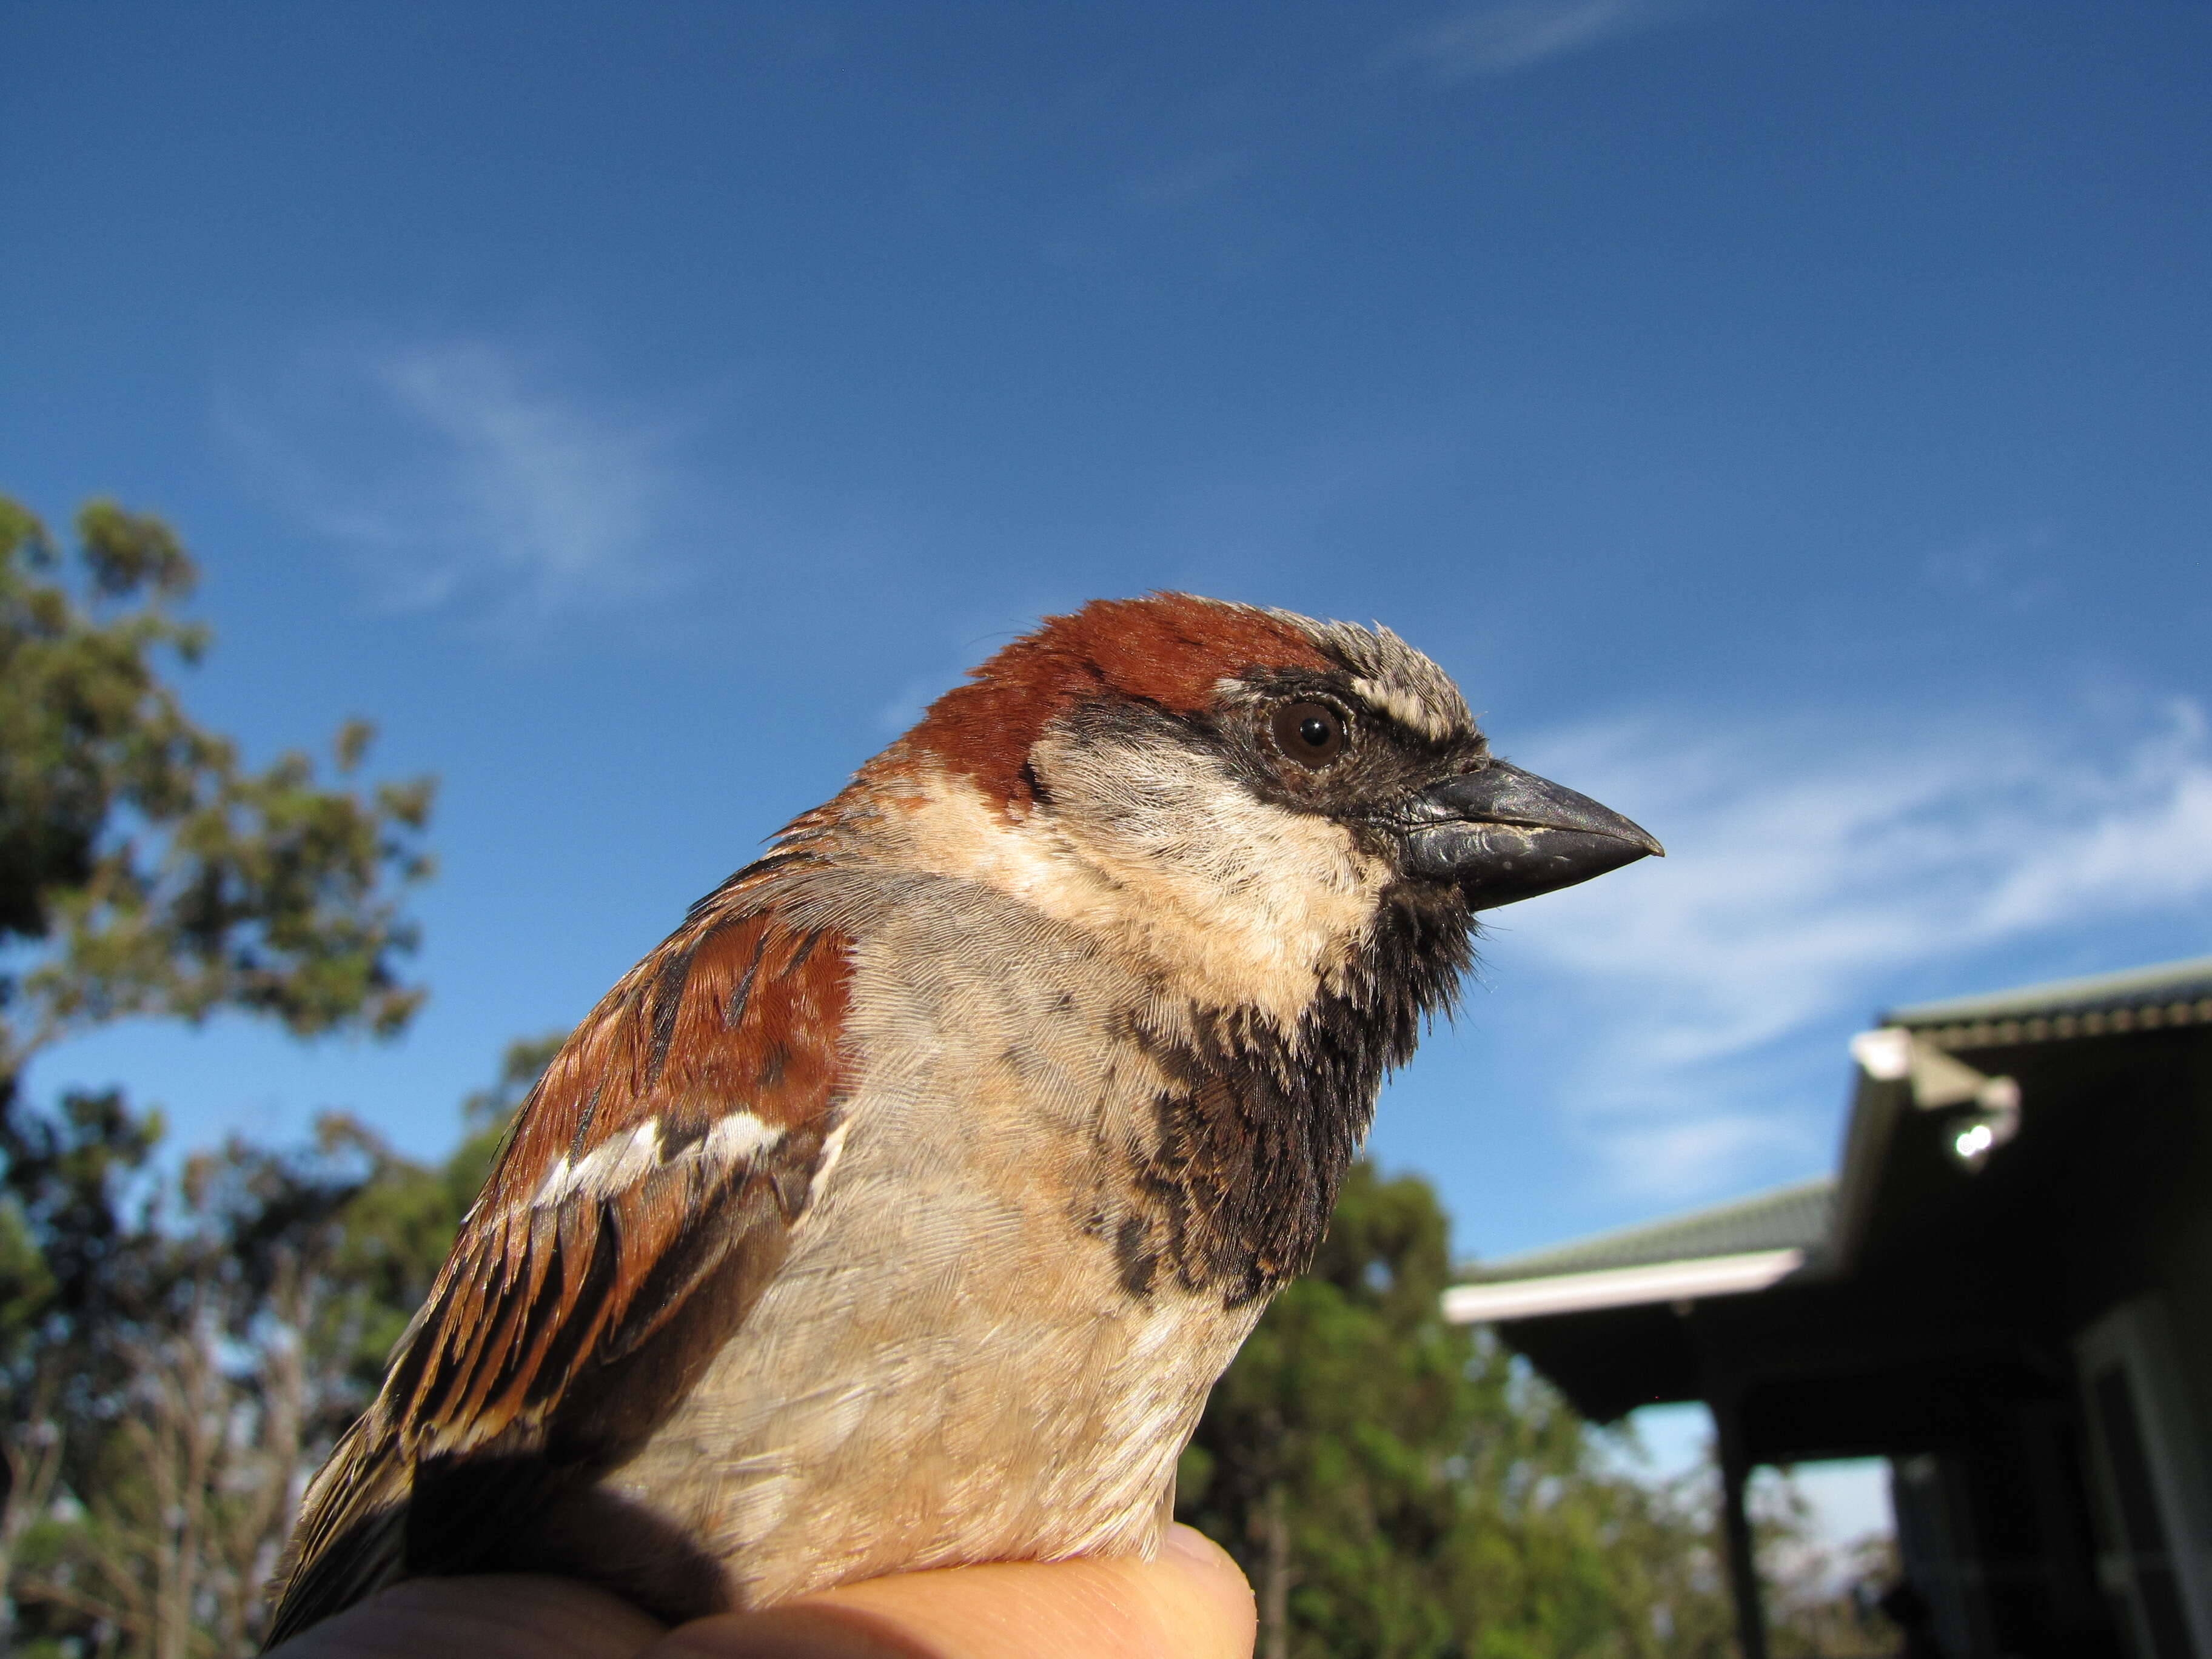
(949, 1366)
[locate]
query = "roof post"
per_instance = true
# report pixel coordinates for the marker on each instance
(1726, 1406)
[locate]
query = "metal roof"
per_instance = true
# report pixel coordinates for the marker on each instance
(2172, 993)
(1814, 1229)
(1792, 1217)
(1619, 1287)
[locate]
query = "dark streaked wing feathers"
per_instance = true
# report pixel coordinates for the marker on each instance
(640, 1203)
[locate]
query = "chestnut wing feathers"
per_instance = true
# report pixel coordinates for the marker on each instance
(642, 1200)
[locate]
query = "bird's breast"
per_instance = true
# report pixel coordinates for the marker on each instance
(952, 1363)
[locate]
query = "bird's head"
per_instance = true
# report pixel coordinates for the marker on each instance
(1238, 796)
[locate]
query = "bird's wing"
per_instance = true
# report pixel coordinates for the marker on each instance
(644, 1198)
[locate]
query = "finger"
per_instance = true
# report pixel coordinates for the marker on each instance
(1191, 1604)
(508, 1616)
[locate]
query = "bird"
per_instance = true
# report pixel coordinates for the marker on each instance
(900, 1209)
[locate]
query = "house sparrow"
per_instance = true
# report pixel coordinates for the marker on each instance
(901, 1208)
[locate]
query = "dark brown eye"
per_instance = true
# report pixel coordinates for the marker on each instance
(1310, 733)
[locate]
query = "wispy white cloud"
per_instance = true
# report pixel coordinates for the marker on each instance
(1192, 179)
(2008, 569)
(1511, 35)
(457, 474)
(1809, 870)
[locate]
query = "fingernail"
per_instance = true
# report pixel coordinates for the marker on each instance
(1193, 1548)
(1217, 1596)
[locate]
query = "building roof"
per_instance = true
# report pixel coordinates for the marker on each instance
(1726, 1250)
(1833, 1301)
(1795, 1217)
(1817, 1228)
(2170, 993)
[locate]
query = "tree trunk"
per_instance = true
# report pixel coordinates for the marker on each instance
(1275, 1579)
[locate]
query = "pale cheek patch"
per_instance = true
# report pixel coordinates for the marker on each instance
(1248, 905)
(1255, 904)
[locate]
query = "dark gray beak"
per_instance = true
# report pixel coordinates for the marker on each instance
(1503, 835)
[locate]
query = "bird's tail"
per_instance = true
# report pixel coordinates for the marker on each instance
(351, 1537)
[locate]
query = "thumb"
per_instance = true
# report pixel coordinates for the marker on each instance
(1190, 1603)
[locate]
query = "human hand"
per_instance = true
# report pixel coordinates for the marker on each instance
(1191, 1604)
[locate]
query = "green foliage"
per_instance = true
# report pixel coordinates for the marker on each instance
(143, 866)
(400, 1223)
(1396, 1486)
(75, 1257)
(145, 869)
(265, 1290)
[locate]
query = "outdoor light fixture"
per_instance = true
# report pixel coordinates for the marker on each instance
(1978, 1133)
(1938, 1082)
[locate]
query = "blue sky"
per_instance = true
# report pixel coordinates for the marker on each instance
(1788, 421)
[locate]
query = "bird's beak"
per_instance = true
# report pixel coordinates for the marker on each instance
(1504, 835)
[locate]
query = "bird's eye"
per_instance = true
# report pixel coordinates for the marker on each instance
(1310, 733)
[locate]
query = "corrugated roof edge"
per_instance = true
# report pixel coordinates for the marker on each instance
(2172, 993)
(1795, 1217)
(1802, 1215)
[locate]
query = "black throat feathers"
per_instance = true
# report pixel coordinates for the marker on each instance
(1256, 1129)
